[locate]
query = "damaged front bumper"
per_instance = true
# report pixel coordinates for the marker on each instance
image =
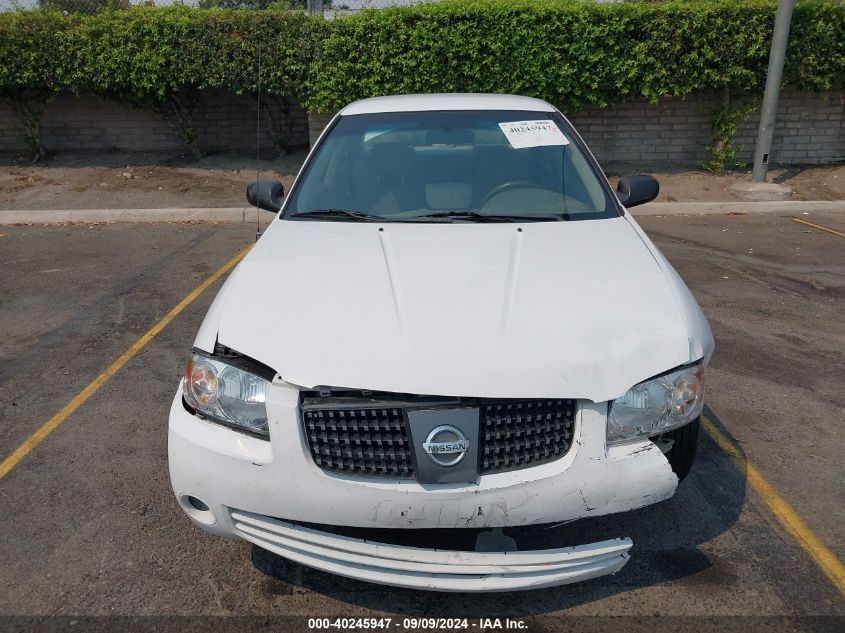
(431, 569)
(242, 481)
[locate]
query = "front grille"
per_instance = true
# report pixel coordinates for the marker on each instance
(368, 435)
(371, 441)
(516, 434)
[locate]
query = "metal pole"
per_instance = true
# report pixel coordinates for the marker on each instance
(768, 112)
(314, 7)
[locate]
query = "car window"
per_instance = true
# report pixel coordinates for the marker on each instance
(402, 166)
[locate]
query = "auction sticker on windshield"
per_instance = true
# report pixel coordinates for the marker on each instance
(521, 134)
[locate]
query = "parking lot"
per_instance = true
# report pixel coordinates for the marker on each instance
(90, 526)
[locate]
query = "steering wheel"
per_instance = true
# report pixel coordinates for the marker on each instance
(506, 186)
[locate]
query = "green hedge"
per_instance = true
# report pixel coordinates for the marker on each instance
(31, 52)
(148, 51)
(574, 54)
(570, 53)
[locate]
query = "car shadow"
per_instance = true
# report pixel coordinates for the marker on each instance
(666, 537)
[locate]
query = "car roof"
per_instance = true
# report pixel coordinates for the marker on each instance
(455, 101)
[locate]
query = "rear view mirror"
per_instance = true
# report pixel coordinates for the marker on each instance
(266, 194)
(639, 189)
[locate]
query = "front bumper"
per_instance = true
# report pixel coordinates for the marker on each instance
(245, 480)
(432, 569)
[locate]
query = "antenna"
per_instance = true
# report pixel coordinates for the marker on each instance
(258, 144)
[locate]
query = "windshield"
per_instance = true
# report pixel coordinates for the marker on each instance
(448, 166)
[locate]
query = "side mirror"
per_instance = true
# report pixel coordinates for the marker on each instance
(639, 189)
(266, 194)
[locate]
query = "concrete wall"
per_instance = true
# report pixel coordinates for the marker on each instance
(811, 128)
(224, 122)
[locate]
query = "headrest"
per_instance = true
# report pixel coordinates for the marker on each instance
(390, 161)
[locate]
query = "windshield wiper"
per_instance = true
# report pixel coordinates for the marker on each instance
(469, 216)
(475, 216)
(358, 216)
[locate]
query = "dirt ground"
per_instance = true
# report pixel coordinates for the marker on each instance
(690, 185)
(121, 180)
(137, 180)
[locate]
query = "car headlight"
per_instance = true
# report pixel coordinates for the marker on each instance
(225, 393)
(657, 405)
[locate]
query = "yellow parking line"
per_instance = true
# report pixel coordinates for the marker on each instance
(819, 227)
(3, 234)
(52, 424)
(788, 518)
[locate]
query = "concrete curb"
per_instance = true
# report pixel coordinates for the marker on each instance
(218, 214)
(247, 214)
(743, 206)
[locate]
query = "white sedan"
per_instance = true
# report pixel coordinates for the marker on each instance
(453, 322)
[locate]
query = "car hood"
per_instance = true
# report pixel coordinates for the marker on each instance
(580, 309)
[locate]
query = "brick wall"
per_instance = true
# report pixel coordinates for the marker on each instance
(223, 122)
(810, 128)
(317, 121)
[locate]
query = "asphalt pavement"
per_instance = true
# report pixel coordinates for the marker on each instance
(89, 525)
